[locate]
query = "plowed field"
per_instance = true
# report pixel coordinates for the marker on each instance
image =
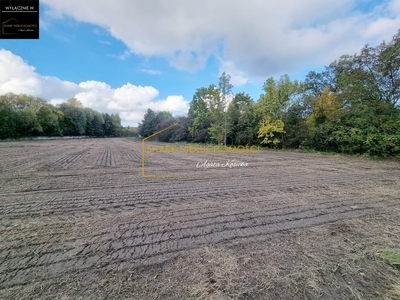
(78, 220)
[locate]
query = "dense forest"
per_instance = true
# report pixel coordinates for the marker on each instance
(351, 107)
(24, 116)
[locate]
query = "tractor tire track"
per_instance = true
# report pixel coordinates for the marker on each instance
(68, 160)
(161, 197)
(79, 213)
(144, 243)
(106, 158)
(196, 219)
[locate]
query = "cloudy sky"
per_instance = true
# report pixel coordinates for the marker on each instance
(126, 56)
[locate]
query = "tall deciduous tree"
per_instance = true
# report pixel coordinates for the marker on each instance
(108, 125)
(7, 120)
(21, 118)
(381, 65)
(326, 109)
(277, 96)
(205, 101)
(49, 119)
(296, 129)
(225, 88)
(248, 125)
(77, 115)
(235, 110)
(268, 130)
(216, 112)
(117, 128)
(27, 123)
(75, 102)
(98, 124)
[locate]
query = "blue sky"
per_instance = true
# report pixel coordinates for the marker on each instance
(127, 56)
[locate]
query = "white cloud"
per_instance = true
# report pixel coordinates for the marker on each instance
(258, 38)
(175, 104)
(131, 118)
(151, 72)
(17, 76)
(387, 25)
(56, 101)
(237, 77)
(188, 60)
(44, 25)
(122, 56)
(130, 101)
(105, 42)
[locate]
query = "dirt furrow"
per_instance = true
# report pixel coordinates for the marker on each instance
(149, 245)
(236, 184)
(106, 158)
(77, 209)
(198, 223)
(144, 198)
(68, 160)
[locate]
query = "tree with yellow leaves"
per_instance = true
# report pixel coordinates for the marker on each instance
(325, 108)
(268, 129)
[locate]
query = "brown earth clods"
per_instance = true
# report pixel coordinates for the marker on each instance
(78, 221)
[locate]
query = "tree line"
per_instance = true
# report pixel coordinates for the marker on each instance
(351, 107)
(23, 116)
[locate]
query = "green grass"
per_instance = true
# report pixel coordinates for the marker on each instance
(393, 294)
(392, 257)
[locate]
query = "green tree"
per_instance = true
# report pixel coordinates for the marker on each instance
(200, 113)
(98, 124)
(117, 128)
(148, 126)
(75, 102)
(248, 125)
(296, 129)
(89, 126)
(49, 120)
(67, 124)
(27, 122)
(354, 103)
(181, 134)
(175, 133)
(225, 88)
(130, 131)
(381, 68)
(24, 115)
(18, 115)
(277, 96)
(235, 110)
(7, 119)
(164, 115)
(75, 113)
(268, 130)
(216, 111)
(326, 109)
(108, 125)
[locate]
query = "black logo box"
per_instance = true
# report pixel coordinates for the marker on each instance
(19, 19)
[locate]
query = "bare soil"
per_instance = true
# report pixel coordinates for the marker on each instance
(78, 221)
